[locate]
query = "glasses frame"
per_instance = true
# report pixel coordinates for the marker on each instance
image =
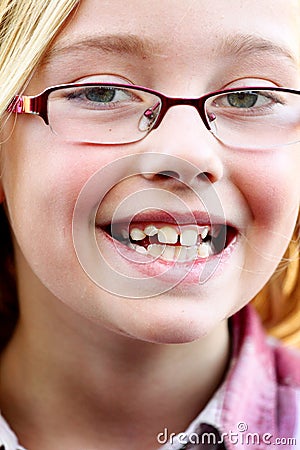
(38, 104)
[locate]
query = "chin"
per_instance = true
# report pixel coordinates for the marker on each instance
(180, 328)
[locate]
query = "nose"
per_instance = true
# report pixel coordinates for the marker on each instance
(182, 134)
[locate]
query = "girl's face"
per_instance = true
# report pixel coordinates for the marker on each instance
(183, 49)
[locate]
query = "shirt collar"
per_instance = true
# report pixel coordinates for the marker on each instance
(7, 437)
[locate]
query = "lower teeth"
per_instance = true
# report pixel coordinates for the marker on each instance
(175, 253)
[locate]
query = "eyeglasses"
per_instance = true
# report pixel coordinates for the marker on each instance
(247, 118)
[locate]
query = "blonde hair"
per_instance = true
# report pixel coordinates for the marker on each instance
(26, 30)
(278, 303)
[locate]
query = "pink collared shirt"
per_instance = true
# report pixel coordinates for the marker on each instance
(257, 407)
(258, 404)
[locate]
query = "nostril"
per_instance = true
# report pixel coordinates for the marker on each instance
(206, 176)
(168, 174)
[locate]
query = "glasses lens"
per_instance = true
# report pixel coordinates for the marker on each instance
(255, 119)
(104, 114)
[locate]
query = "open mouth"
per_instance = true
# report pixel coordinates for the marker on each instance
(170, 242)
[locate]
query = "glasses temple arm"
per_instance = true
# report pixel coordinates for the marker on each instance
(23, 105)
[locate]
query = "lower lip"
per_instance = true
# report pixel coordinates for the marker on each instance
(186, 273)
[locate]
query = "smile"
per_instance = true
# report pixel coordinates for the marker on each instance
(170, 242)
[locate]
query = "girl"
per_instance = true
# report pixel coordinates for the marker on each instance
(156, 195)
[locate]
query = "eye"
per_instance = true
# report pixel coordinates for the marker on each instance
(101, 96)
(242, 99)
(248, 102)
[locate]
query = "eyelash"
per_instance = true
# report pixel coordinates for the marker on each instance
(81, 96)
(275, 100)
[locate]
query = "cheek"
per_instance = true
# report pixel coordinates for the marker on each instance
(270, 185)
(40, 209)
(42, 180)
(44, 176)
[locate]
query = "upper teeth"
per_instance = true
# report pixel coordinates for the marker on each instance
(167, 235)
(188, 235)
(137, 235)
(151, 230)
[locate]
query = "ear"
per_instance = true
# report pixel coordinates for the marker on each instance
(2, 196)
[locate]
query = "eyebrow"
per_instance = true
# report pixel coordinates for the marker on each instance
(110, 43)
(235, 45)
(242, 45)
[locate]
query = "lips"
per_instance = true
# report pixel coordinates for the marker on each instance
(186, 240)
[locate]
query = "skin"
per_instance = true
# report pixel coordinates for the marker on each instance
(79, 348)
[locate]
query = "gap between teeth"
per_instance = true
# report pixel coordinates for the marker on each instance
(188, 235)
(190, 239)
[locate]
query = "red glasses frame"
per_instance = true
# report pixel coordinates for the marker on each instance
(37, 104)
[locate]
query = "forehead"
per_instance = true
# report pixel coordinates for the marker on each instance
(168, 22)
(171, 40)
